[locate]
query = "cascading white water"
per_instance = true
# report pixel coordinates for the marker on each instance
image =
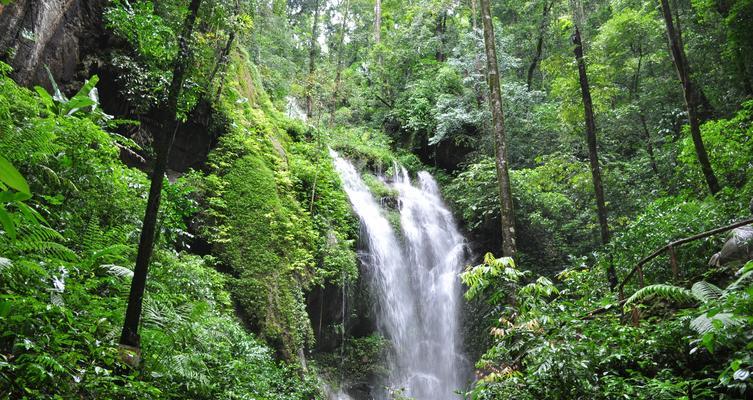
(414, 281)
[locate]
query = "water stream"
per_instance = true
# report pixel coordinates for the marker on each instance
(414, 279)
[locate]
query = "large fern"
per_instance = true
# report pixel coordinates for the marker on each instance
(705, 323)
(706, 292)
(671, 293)
(40, 240)
(746, 277)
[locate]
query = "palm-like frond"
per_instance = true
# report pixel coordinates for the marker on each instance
(664, 292)
(704, 324)
(117, 270)
(706, 292)
(745, 278)
(5, 264)
(154, 314)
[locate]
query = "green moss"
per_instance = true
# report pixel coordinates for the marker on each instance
(360, 360)
(378, 188)
(276, 213)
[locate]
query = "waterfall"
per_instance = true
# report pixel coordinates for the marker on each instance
(293, 110)
(414, 280)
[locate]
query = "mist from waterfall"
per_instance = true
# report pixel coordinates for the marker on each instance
(414, 280)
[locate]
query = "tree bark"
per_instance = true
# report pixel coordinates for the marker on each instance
(692, 98)
(474, 15)
(635, 96)
(224, 56)
(162, 143)
(507, 214)
(378, 22)
(440, 33)
(313, 47)
(338, 72)
(650, 148)
(593, 156)
(539, 43)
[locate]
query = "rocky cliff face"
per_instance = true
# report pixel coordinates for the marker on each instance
(68, 36)
(60, 34)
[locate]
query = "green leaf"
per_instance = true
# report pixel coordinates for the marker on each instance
(47, 100)
(11, 177)
(7, 222)
(4, 308)
(31, 214)
(87, 87)
(664, 292)
(9, 196)
(57, 95)
(77, 103)
(705, 291)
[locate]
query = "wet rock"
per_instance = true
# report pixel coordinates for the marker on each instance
(54, 33)
(737, 249)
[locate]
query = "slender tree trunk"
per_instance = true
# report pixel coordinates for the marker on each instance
(692, 98)
(636, 95)
(378, 22)
(339, 68)
(129, 338)
(705, 110)
(507, 213)
(225, 54)
(440, 33)
(593, 156)
(539, 43)
(650, 147)
(313, 50)
(743, 72)
(474, 15)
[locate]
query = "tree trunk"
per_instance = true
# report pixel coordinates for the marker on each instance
(498, 119)
(650, 148)
(339, 68)
(224, 56)
(539, 43)
(378, 22)
(692, 98)
(635, 96)
(593, 156)
(474, 15)
(440, 33)
(313, 47)
(129, 338)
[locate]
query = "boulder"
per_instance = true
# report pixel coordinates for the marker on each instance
(737, 249)
(58, 34)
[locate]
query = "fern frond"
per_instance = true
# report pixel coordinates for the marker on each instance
(5, 264)
(705, 291)
(51, 175)
(741, 282)
(117, 270)
(704, 324)
(155, 314)
(29, 141)
(114, 251)
(92, 239)
(52, 249)
(38, 233)
(37, 238)
(672, 293)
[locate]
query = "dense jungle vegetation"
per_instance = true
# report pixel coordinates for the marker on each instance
(172, 225)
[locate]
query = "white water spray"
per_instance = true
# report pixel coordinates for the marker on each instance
(415, 283)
